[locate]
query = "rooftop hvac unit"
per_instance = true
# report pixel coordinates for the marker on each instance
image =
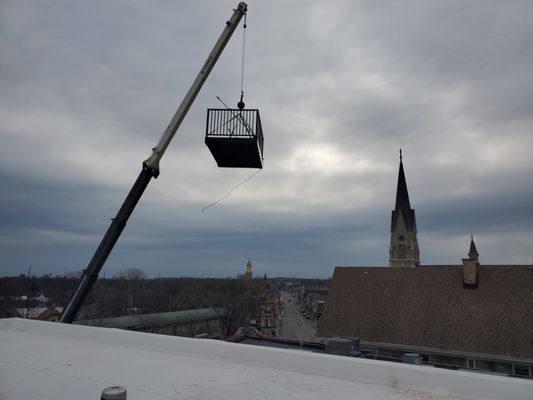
(343, 346)
(412, 358)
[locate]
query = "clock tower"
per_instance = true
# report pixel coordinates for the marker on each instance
(403, 242)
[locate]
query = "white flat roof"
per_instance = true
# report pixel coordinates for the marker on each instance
(47, 360)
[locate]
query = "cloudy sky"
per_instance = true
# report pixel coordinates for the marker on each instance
(87, 88)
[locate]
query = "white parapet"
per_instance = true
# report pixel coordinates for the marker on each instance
(45, 360)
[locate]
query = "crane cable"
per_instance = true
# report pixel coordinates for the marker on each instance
(242, 63)
(231, 191)
(246, 125)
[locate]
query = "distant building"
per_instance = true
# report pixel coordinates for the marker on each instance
(248, 275)
(404, 250)
(312, 300)
(269, 309)
(40, 313)
(202, 322)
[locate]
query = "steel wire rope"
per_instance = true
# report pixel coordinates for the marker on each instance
(231, 191)
(236, 117)
(242, 59)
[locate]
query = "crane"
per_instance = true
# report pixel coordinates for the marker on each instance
(150, 169)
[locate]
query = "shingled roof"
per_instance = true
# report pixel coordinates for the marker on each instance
(429, 307)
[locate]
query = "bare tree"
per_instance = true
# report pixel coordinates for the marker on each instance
(131, 274)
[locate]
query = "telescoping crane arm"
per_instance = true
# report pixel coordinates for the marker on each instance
(150, 169)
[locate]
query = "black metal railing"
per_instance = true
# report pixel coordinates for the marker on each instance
(259, 133)
(234, 123)
(230, 122)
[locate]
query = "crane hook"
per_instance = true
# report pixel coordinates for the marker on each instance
(240, 104)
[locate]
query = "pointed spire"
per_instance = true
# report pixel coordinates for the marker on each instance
(402, 196)
(403, 206)
(473, 254)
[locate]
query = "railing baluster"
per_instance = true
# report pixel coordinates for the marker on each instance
(233, 122)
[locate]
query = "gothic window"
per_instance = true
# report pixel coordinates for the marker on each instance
(401, 251)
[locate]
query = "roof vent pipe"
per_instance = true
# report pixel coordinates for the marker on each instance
(114, 393)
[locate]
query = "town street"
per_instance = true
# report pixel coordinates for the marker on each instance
(294, 325)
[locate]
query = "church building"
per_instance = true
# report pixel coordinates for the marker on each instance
(403, 242)
(248, 275)
(461, 315)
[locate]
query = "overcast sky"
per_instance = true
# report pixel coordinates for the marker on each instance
(87, 88)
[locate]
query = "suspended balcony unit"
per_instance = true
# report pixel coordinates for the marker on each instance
(235, 138)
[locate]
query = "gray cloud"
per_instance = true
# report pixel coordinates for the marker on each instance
(87, 89)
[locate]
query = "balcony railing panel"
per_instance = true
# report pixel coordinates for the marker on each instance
(235, 137)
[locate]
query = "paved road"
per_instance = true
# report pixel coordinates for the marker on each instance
(294, 325)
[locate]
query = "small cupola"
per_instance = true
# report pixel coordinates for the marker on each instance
(470, 265)
(473, 254)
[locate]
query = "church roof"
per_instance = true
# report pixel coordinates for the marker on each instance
(402, 203)
(428, 307)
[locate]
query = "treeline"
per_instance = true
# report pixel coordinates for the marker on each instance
(130, 292)
(22, 291)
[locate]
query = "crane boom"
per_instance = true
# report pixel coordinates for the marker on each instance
(166, 138)
(150, 169)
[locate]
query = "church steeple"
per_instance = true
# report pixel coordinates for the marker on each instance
(402, 199)
(248, 275)
(404, 250)
(473, 254)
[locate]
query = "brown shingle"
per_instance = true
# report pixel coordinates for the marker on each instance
(429, 307)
